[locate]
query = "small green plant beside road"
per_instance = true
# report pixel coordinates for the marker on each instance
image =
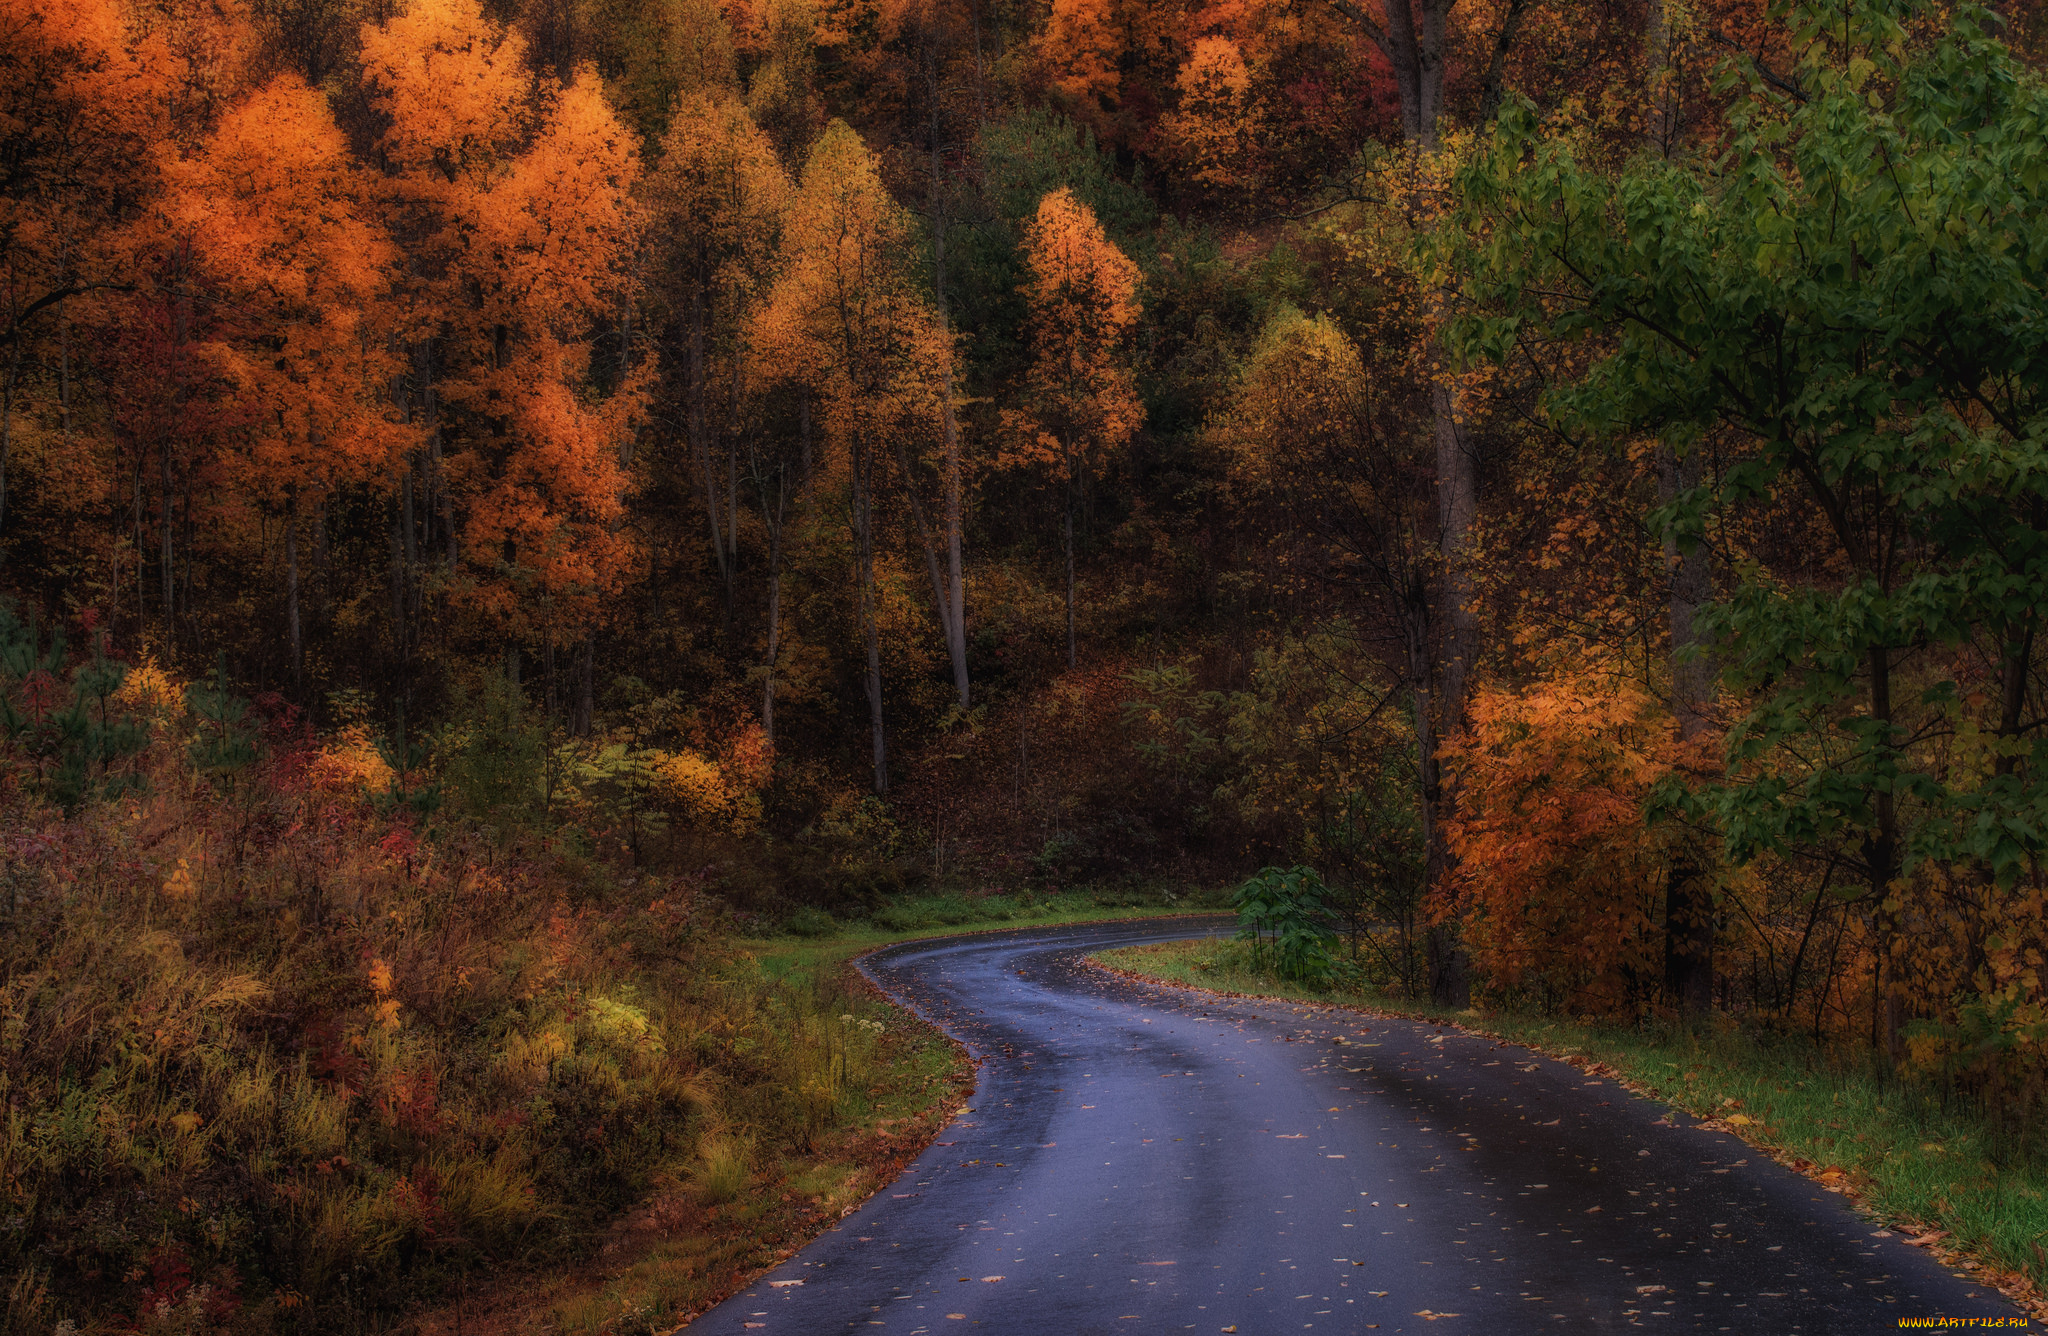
(1287, 905)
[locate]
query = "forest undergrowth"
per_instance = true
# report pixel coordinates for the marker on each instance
(1914, 1154)
(297, 1040)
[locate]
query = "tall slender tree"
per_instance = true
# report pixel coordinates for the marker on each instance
(1083, 296)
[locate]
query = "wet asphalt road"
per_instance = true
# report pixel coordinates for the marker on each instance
(1142, 1160)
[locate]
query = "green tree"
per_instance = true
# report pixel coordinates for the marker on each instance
(1854, 294)
(64, 736)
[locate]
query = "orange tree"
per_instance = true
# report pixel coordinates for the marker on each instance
(1084, 402)
(1558, 885)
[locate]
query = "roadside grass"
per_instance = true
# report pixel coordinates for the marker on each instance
(1932, 1168)
(706, 1232)
(952, 911)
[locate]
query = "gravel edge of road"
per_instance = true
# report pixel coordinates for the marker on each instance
(2018, 1288)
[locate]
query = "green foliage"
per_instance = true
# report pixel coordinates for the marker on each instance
(493, 756)
(225, 745)
(810, 921)
(1037, 151)
(1287, 906)
(1022, 159)
(68, 741)
(1175, 722)
(1859, 285)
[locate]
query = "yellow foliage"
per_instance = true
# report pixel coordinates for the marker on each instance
(351, 763)
(1213, 130)
(724, 790)
(148, 689)
(178, 886)
(691, 782)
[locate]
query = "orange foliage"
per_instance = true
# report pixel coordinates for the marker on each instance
(1214, 130)
(282, 216)
(1560, 885)
(1082, 293)
(1081, 48)
(533, 237)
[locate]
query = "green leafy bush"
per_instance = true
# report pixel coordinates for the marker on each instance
(1286, 907)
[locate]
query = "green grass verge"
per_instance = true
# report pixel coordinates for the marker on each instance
(905, 917)
(1898, 1150)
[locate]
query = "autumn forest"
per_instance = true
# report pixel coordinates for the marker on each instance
(499, 496)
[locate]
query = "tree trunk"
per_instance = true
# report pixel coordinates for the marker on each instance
(864, 540)
(1068, 532)
(700, 444)
(1881, 851)
(732, 471)
(951, 597)
(1689, 893)
(135, 536)
(397, 584)
(7, 421)
(1457, 483)
(774, 628)
(1413, 38)
(1657, 75)
(291, 614)
(552, 691)
(956, 580)
(586, 688)
(774, 525)
(165, 541)
(185, 598)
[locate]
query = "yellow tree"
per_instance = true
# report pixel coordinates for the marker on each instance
(783, 95)
(846, 317)
(1082, 294)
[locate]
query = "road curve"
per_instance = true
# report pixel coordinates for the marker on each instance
(1142, 1159)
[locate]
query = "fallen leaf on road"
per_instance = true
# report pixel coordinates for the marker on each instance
(990, 1280)
(1428, 1316)
(782, 1284)
(1935, 1236)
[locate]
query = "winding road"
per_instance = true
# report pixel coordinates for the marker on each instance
(1142, 1159)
